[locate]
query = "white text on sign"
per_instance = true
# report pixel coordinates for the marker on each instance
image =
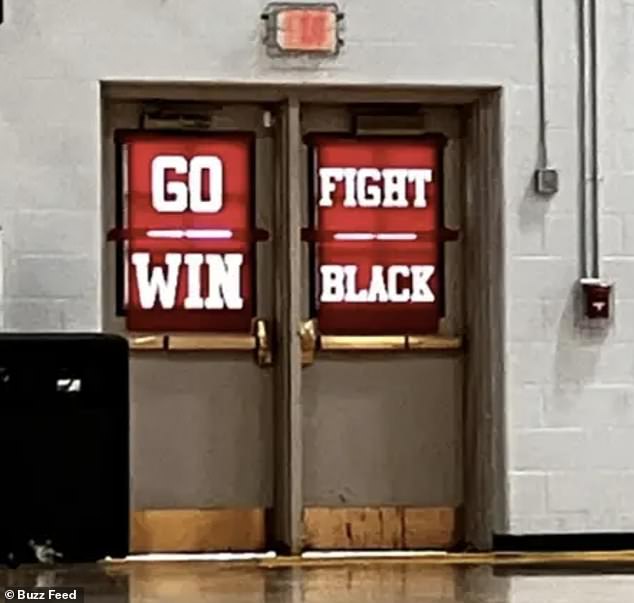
(158, 285)
(339, 284)
(177, 196)
(372, 187)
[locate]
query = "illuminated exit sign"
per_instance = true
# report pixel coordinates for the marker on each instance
(311, 28)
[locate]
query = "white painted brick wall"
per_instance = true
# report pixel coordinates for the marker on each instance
(569, 396)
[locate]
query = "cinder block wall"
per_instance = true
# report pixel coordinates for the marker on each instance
(569, 397)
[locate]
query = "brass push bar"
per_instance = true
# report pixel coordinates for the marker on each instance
(212, 342)
(146, 342)
(258, 341)
(334, 343)
(311, 341)
(434, 342)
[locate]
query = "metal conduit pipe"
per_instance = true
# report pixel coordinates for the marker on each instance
(589, 167)
(542, 159)
(546, 178)
(583, 193)
(594, 139)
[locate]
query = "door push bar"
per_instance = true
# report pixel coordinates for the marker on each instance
(311, 341)
(257, 341)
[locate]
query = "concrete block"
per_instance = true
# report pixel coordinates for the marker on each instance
(530, 363)
(616, 194)
(527, 493)
(53, 277)
(56, 232)
(545, 277)
(525, 408)
(581, 491)
(544, 450)
(32, 315)
(589, 407)
(619, 271)
(527, 321)
(562, 236)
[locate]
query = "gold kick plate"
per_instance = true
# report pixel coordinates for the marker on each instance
(258, 342)
(311, 341)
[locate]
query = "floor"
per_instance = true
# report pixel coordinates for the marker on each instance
(376, 582)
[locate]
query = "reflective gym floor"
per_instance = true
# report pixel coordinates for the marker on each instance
(342, 582)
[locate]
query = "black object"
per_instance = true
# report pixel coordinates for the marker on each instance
(64, 415)
(548, 543)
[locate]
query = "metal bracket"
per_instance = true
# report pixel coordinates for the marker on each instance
(263, 343)
(308, 338)
(146, 342)
(178, 116)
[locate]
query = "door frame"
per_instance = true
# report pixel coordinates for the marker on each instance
(485, 496)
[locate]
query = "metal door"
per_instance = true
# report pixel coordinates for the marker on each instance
(202, 414)
(382, 418)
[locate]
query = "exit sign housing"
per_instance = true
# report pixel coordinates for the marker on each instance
(302, 29)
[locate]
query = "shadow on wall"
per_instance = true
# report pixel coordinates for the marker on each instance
(532, 217)
(577, 355)
(578, 352)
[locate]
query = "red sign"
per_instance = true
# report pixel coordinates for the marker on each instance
(379, 234)
(190, 261)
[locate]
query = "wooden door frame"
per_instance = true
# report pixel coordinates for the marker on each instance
(287, 537)
(485, 478)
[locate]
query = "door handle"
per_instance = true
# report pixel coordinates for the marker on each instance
(311, 341)
(264, 354)
(258, 341)
(308, 339)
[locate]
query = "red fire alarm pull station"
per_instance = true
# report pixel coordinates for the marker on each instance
(294, 29)
(597, 299)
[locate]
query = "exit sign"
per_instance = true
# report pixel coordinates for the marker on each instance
(294, 29)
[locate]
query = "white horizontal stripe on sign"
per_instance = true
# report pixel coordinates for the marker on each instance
(190, 234)
(378, 236)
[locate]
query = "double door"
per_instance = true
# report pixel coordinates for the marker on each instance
(297, 370)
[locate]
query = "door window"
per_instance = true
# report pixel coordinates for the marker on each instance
(377, 208)
(187, 210)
